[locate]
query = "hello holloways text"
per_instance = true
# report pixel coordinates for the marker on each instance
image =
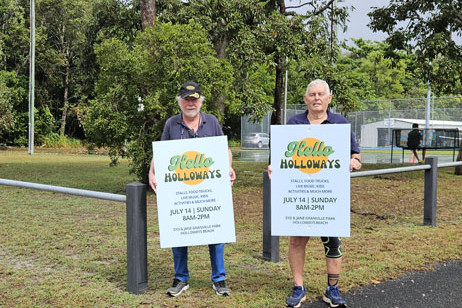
(308, 156)
(187, 169)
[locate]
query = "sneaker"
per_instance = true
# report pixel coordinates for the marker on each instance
(297, 297)
(333, 297)
(220, 288)
(177, 287)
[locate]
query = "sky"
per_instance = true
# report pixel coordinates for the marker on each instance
(357, 26)
(358, 20)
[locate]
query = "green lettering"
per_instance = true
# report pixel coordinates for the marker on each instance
(291, 148)
(319, 149)
(174, 161)
(208, 162)
(183, 161)
(300, 151)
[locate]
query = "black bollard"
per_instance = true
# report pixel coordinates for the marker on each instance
(137, 257)
(270, 243)
(431, 184)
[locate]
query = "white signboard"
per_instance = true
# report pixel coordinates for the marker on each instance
(194, 199)
(310, 182)
(389, 122)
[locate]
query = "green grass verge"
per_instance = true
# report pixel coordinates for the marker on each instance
(64, 251)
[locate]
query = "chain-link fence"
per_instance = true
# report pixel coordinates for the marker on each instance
(445, 112)
(251, 132)
(384, 121)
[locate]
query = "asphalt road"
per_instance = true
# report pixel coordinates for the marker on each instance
(439, 287)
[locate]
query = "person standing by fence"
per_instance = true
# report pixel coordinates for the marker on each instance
(192, 123)
(317, 98)
(414, 139)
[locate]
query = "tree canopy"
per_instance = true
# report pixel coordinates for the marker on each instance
(137, 86)
(107, 71)
(426, 29)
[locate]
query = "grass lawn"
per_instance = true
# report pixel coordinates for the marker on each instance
(60, 250)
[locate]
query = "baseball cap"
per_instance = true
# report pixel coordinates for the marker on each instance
(190, 89)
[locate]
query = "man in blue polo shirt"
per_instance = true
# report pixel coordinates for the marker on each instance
(192, 123)
(317, 98)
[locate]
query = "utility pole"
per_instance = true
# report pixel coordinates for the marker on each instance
(285, 91)
(31, 76)
(333, 27)
(333, 30)
(428, 105)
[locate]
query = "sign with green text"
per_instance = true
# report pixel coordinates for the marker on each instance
(194, 199)
(310, 182)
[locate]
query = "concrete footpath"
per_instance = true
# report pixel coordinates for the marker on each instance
(439, 287)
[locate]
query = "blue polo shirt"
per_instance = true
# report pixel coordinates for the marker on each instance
(175, 128)
(332, 118)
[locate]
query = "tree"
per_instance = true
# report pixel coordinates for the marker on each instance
(13, 60)
(6, 108)
(148, 12)
(228, 25)
(426, 29)
(375, 76)
(64, 22)
(66, 61)
(14, 38)
(256, 35)
(66, 68)
(137, 87)
(307, 26)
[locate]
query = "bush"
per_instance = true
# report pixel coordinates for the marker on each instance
(54, 140)
(234, 142)
(137, 86)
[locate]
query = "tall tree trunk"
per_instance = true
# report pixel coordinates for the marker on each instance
(220, 49)
(148, 13)
(66, 50)
(4, 55)
(282, 6)
(276, 115)
(62, 130)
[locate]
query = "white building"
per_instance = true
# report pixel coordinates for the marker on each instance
(377, 134)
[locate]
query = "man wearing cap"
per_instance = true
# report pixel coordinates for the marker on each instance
(192, 123)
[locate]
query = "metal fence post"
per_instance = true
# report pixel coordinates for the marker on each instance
(431, 179)
(270, 243)
(137, 266)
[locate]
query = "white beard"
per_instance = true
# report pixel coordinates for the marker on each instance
(191, 113)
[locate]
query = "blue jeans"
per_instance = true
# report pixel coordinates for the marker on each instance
(180, 260)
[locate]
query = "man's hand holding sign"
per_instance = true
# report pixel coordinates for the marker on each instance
(191, 173)
(310, 187)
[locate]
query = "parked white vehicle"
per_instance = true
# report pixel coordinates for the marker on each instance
(256, 140)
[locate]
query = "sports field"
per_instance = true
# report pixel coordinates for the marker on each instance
(65, 251)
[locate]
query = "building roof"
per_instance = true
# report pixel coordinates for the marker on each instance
(433, 123)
